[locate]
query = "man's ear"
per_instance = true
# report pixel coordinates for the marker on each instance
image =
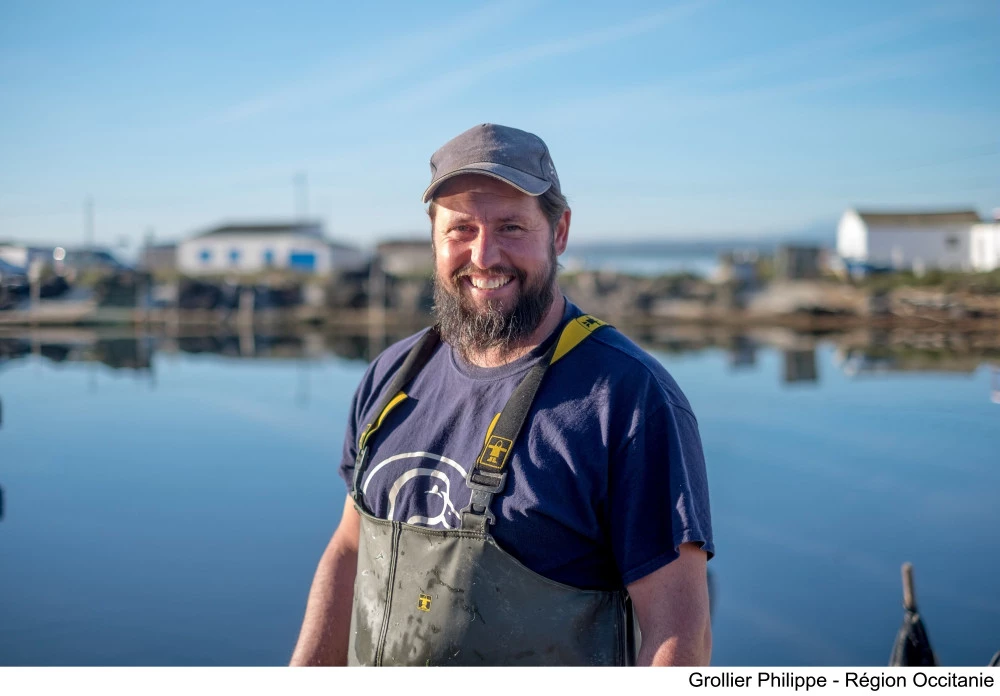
(561, 234)
(431, 210)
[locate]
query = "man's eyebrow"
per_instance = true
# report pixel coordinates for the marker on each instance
(452, 216)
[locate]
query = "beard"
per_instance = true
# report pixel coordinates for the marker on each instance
(495, 327)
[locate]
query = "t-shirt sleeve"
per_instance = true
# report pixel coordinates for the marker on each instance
(658, 492)
(350, 449)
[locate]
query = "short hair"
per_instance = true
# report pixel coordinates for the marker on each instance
(552, 203)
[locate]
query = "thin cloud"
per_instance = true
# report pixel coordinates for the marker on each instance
(692, 92)
(463, 77)
(390, 59)
(875, 33)
(917, 63)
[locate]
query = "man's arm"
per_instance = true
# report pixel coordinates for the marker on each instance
(324, 636)
(671, 606)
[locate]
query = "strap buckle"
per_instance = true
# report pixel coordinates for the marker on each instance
(484, 486)
(359, 465)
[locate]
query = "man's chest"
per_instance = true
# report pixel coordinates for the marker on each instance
(420, 457)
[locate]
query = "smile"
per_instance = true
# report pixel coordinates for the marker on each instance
(490, 283)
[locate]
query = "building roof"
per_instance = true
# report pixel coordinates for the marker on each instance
(913, 218)
(313, 228)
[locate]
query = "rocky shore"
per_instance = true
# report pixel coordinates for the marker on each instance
(364, 300)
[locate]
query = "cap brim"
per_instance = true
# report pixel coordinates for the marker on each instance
(525, 183)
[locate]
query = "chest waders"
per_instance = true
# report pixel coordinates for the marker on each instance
(454, 597)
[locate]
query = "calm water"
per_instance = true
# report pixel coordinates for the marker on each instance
(636, 263)
(165, 501)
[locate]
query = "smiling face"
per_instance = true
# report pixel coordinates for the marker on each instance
(495, 268)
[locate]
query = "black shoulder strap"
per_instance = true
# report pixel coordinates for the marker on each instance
(486, 478)
(415, 361)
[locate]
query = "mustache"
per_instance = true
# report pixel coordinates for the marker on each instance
(491, 272)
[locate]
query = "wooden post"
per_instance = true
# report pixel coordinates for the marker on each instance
(909, 595)
(246, 306)
(35, 284)
(244, 319)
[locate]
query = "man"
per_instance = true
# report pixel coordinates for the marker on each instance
(524, 481)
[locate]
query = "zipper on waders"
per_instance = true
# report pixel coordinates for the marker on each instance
(383, 632)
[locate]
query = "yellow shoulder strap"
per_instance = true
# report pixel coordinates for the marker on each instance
(574, 332)
(377, 423)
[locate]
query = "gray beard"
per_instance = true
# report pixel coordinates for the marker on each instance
(496, 329)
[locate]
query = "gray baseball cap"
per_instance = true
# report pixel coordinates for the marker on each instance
(514, 156)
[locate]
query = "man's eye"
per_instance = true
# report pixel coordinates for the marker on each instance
(512, 228)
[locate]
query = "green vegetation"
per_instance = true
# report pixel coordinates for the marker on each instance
(271, 277)
(946, 281)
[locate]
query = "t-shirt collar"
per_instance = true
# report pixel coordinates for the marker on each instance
(570, 311)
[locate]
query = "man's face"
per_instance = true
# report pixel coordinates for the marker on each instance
(494, 261)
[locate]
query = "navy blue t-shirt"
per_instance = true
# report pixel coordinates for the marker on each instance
(605, 482)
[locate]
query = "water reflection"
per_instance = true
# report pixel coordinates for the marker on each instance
(800, 366)
(742, 353)
(256, 408)
(136, 352)
(116, 352)
(1, 487)
(857, 354)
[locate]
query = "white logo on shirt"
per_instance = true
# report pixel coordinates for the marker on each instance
(435, 482)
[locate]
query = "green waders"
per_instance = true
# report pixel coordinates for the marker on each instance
(454, 597)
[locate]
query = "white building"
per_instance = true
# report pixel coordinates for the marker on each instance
(253, 248)
(986, 246)
(903, 240)
(23, 256)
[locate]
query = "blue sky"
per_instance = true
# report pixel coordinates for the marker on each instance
(691, 119)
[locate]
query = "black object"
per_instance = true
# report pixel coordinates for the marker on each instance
(912, 647)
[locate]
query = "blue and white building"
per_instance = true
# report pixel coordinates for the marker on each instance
(257, 247)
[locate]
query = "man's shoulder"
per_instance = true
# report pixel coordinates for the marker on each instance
(397, 351)
(385, 364)
(625, 365)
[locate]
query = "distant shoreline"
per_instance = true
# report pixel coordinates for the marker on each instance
(364, 320)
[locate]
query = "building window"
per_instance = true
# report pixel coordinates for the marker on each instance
(302, 260)
(951, 242)
(234, 256)
(205, 255)
(268, 258)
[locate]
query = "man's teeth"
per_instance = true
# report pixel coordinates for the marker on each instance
(490, 283)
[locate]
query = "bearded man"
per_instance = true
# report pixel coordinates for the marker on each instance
(526, 485)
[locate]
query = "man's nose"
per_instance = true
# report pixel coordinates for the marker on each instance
(485, 250)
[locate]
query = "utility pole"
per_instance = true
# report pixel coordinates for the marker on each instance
(301, 181)
(88, 223)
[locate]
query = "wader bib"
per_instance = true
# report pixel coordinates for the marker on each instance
(454, 597)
